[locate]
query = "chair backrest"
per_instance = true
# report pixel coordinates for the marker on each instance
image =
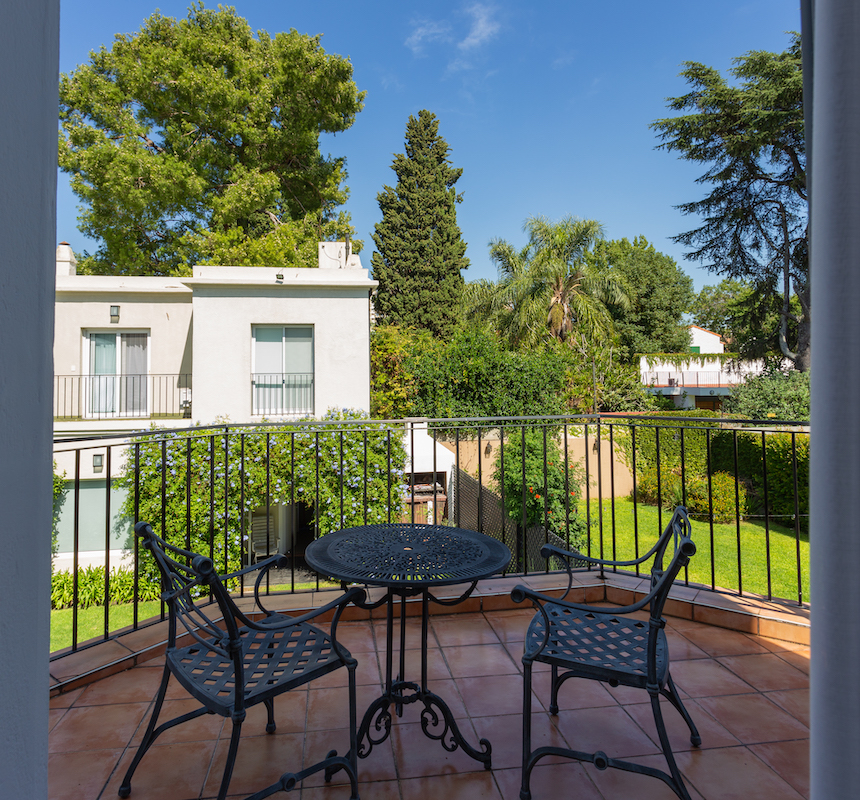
(677, 532)
(185, 576)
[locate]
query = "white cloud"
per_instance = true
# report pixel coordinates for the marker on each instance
(427, 31)
(463, 53)
(389, 80)
(458, 65)
(564, 60)
(484, 26)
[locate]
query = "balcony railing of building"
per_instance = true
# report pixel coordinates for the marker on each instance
(283, 393)
(602, 484)
(82, 397)
(691, 378)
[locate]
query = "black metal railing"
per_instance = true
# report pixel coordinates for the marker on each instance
(603, 484)
(81, 397)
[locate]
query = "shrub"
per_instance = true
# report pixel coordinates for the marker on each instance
(677, 433)
(722, 495)
(780, 476)
(695, 494)
(91, 587)
(774, 394)
(473, 375)
(60, 490)
(391, 380)
(552, 488)
(213, 478)
(778, 448)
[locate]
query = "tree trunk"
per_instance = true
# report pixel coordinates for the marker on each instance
(803, 360)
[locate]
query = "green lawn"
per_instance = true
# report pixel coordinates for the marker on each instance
(725, 571)
(91, 621)
(724, 574)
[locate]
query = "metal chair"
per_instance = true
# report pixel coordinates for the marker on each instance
(235, 662)
(607, 644)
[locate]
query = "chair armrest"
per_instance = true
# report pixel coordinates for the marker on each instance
(520, 593)
(276, 560)
(280, 619)
(549, 550)
(262, 568)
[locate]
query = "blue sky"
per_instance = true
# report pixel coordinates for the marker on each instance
(546, 106)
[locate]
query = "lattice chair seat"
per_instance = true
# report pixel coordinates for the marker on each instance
(234, 662)
(609, 645)
(600, 646)
(272, 662)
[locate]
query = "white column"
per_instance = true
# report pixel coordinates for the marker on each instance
(835, 467)
(29, 59)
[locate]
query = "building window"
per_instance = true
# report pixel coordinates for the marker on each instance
(282, 379)
(117, 375)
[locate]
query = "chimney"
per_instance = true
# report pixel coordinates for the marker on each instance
(338, 255)
(67, 264)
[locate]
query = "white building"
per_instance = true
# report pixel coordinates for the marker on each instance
(699, 378)
(242, 344)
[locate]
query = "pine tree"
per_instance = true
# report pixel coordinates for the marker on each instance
(420, 251)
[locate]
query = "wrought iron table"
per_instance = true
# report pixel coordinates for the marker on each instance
(409, 560)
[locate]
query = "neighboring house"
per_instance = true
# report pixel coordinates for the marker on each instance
(699, 378)
(243, 344)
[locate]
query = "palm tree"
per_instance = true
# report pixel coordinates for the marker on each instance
(547, 290)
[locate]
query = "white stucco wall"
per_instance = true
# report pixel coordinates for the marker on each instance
(420, 448)
(159, 306)
(229, 301)
(706, 341)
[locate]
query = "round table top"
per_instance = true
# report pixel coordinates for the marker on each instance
(396, 554)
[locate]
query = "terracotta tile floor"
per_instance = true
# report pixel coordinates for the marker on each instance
(749, 696)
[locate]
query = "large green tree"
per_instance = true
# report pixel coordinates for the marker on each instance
(197, 141)
(420, 251)
(659, 294)
(755, 216)
(747, 318)
(548, 290)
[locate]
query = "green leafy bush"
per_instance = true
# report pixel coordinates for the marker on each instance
(694, 494)
(392, 382)
(473, 375)
(677, 436)
(59, 494)
(774, 394)
(213, 478)
(722, 497)
(91, 587)
(773, 455)
(552, 488)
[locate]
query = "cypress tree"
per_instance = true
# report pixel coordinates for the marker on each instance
(420, 251)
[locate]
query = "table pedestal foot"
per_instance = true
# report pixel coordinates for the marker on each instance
(436, 715)
(375, 725)
(437, 722)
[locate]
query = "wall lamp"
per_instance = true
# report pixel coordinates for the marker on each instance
(114, 313)
(279, 276)
(98, 462)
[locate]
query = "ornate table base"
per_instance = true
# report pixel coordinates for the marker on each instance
(437, 721)
(408, 560)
